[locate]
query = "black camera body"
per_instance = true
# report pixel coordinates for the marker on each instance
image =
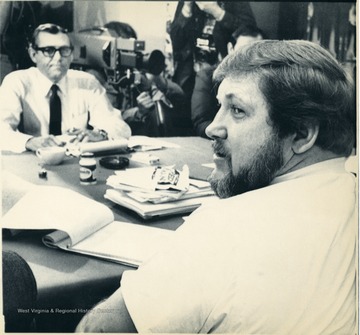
(205, 50)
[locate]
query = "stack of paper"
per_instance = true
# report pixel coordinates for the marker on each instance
(153, 191)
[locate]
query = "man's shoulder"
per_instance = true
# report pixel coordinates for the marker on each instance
(205, 75)
(78, 74)
(23, 75)
(207, 71)
(326, 186)
(82, 78)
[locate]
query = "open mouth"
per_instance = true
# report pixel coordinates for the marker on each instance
(220, 154)
(219, 150)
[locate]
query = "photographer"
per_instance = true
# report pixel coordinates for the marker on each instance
(21, 18)
(204, 105)
(215, 20)
(148, 102)
(153, 90)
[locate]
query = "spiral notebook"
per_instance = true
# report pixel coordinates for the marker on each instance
(84, 226)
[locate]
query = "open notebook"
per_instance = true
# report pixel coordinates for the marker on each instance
(83, 225)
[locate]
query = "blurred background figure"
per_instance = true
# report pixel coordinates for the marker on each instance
(149, 101)
(330, 24)
(22, 17)
(204, 104)
(199, 34)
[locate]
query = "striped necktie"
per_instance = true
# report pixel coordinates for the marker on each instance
(55, 111)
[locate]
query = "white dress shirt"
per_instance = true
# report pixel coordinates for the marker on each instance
(277, 260)
(25, 94)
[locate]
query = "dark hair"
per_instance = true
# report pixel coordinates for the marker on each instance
(302, 84)
(122, 29)
(49, 28)
(248, 30)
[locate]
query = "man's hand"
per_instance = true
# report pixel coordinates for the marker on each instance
(187, 8)
(145, 103)
(35, 143)
(159, 80)
(83, 136)
(212, 8)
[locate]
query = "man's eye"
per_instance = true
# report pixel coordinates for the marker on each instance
(237, 112)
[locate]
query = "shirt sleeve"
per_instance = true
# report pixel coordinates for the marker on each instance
(174, 92)
(103, 115)
(10, 115)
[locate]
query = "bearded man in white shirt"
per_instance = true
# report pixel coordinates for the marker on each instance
(25, 111)
(277, 253)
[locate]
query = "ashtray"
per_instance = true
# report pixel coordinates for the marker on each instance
(114, 162)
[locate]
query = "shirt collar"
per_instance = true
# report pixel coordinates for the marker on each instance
(335, 165)
(44, 83)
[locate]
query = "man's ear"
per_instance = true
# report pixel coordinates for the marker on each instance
(305, 138)
(32, 53)
(230, 48)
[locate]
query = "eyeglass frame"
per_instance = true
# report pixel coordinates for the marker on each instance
(52, 29)
(50, 54)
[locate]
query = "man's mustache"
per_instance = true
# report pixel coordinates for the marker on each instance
(219, 148)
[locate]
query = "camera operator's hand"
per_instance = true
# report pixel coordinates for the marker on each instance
(145, 103)
(212, 8)
(159, 80)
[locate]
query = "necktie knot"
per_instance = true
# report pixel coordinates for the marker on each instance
(54, 89)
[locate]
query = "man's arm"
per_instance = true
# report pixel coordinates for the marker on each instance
(110, 316)
(10, 115)
(237, 14)
(172, 91)
(182, 31)
(11, 109)
(203, 102)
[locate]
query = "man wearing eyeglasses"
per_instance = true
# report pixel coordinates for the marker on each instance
(41, 102)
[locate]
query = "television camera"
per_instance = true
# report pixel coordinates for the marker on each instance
(121, 59)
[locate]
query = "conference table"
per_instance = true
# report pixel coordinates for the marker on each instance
(68, 282)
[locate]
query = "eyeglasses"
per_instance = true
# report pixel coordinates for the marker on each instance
(50, 51)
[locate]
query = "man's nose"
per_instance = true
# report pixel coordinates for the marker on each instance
(57, 55)
(217, 128)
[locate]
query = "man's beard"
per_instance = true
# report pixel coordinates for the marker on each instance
(258, 173)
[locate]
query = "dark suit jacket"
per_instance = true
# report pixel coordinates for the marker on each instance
(203, 101)
(184, 32)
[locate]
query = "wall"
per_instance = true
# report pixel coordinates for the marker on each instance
(149, 18)
(267, 17)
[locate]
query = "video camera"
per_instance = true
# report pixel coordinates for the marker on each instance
(120, 58)
(205, 50)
